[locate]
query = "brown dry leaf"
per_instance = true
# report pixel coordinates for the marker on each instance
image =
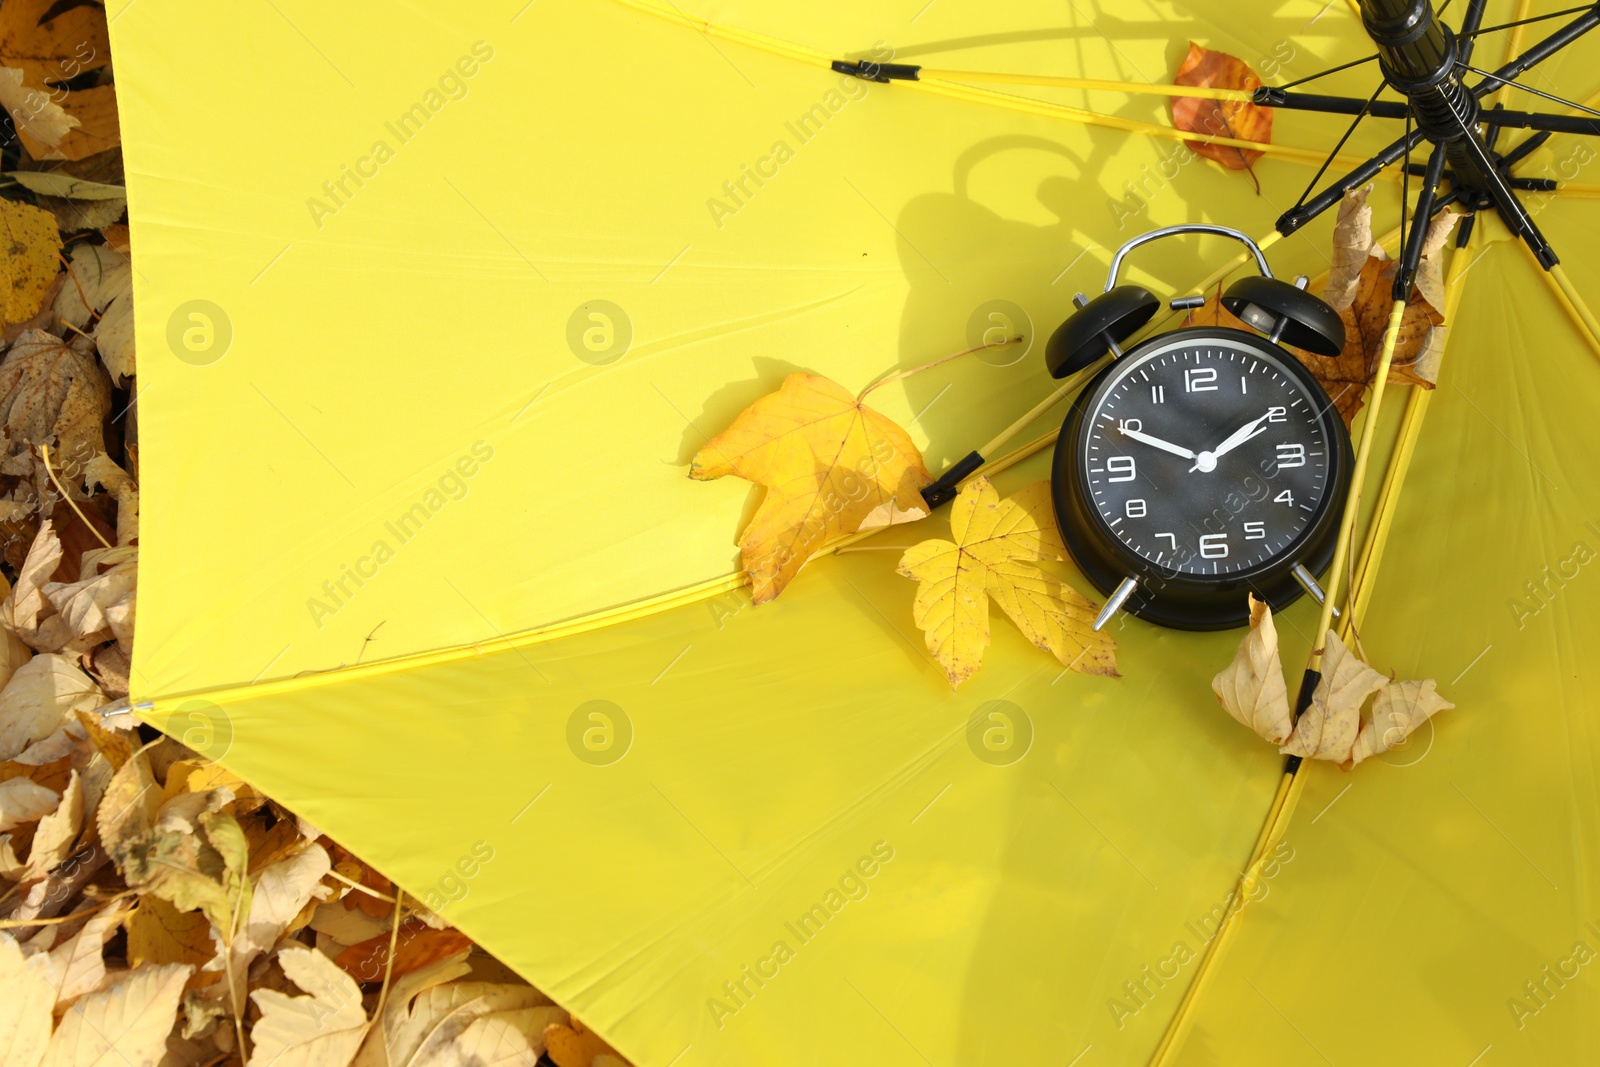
(100, 470)
(24, 800)
(159, 933)
(1327, 729)
(997, 544)
(1252, 688)
(322, 1029)
(38, 55)
(831, 466)
(575, 1045)
(418, 947)
(56, 394)
(1359, 287)
(31, 242)
(1221, 118)
(123, 1026)
(115, 745)
(117, 238)
(105, 279)
(281, 892)
(474, 1024)
(1399, 709)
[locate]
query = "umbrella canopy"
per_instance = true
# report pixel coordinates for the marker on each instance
(434, 307)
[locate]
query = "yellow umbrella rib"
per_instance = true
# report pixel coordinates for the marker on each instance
(1571, 301)
(975, 94)
(1135, 88)
(1366, 574)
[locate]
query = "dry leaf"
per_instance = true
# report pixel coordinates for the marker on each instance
(123, 1026)
(1399, 709)
(418, 946)
(575, 1045)
(104, 279)
(347, 926)
(997, 544)
(281, 892)
(31, 243)
(78, 966)
(831, 466)
(475, 1024)
(26, 1000)
(1221, 118)
(40, 54)
(1327, 729)
(117, 746)
(201, 775)
(396, 1039)
(100, 470)
(1251, 688)
(323, 1029)
(52, 840)
(159, 933)
(1360, 284)
(41, 696)
(55, 394)
(24, 800)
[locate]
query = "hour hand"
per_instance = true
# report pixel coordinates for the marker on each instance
(1156, 442)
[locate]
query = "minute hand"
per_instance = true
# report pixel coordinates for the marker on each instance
(1156, 442)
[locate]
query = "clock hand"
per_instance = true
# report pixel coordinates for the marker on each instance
(1156, 442)
(1253, 428)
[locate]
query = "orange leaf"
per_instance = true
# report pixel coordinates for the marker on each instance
(418, 946)
(575, 1045)
(831, 466)
(1221, 118)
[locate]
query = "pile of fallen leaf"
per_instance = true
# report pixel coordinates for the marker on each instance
(155, 909)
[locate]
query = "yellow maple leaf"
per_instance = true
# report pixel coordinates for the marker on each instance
(997, 544)
(831, 466)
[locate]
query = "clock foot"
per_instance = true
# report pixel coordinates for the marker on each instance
(1114, 602)
(1309, 583)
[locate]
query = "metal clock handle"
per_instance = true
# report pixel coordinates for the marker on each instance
(1187, 228)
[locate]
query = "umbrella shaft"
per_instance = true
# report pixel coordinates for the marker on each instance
(1418, 55)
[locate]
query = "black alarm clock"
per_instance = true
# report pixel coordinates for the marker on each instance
(1205, 462)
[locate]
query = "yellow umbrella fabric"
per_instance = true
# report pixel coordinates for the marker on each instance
(434, 306)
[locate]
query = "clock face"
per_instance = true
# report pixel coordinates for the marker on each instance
(1207, 456)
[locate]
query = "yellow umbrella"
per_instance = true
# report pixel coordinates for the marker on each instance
(434, 307)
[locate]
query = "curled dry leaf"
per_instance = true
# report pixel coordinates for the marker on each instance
(322, 1029)
(831, 466)
(1327, 729)
(31, 241)
(125, 1025)
(56, 394)
(1241, 119)
(1399, 708)
(52, 840)
(101, 284)
(1360, 284)
(1252, 688)
(997, 544)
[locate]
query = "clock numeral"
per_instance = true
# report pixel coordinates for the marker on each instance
(1255, 531)
(1135, 508)
(1125, 425)
(1277, 414)
(1200, 380)
(1291, 455)
(1170, 537)
(1158, 394)
(1122, 467)
(1214, 546)
(1284, 497)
